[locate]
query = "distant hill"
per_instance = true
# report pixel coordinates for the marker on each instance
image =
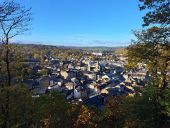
(94, 49)
(101, 49)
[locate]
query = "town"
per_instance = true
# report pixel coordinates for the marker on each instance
(89, 80)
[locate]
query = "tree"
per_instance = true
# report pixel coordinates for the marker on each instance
(113, 114)
(152, 47)
(14, 20)
(85, 118)
(20, 107)
(121, 52)
(159, 12)
(51, 110)
(139, 112)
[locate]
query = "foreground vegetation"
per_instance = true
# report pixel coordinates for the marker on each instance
(53, 110)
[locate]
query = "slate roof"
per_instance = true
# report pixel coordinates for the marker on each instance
(97, 101)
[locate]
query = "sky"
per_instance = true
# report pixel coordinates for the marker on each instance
(82, 22)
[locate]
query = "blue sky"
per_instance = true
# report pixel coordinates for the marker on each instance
(82, 22)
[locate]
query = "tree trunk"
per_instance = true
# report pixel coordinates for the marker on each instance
(164, 74)
(163, 116)
(6, 123)
(7, 64)
(6, 112)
